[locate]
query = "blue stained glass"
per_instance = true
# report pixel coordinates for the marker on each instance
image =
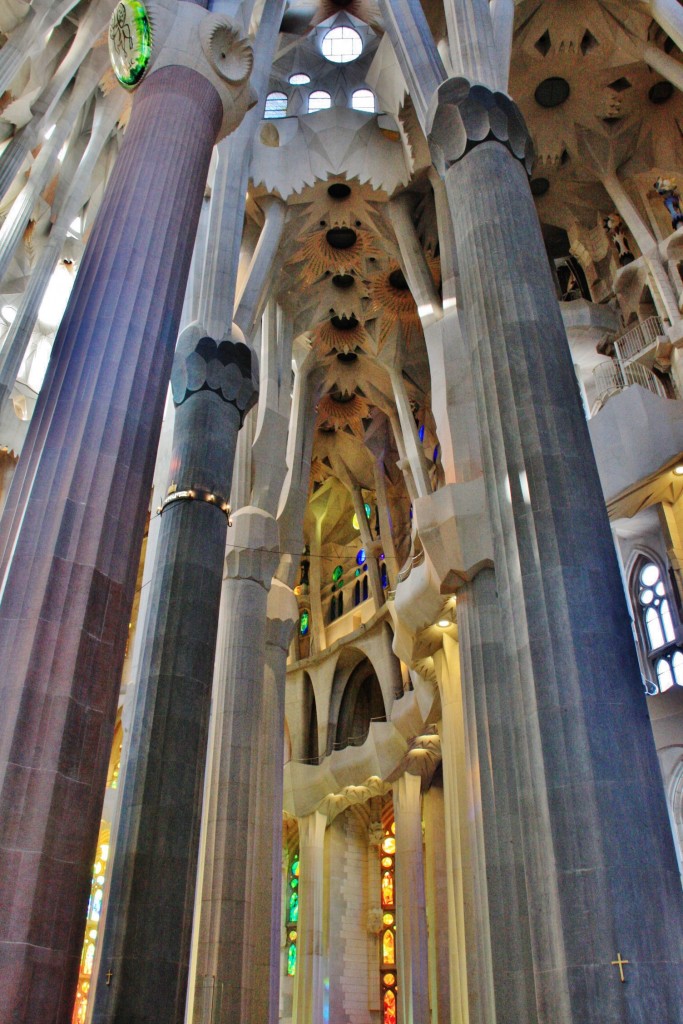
(421, 432)
(360, 557)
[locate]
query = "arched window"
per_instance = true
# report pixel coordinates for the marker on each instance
(363, 99)
(656, 614)
(276, 105)
(319, 100)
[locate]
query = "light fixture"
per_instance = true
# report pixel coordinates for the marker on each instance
(444, 623)
(678, 470)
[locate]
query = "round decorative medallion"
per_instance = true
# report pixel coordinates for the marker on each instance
(130, 42)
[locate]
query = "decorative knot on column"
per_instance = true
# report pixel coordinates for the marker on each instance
(462, 115)
(228, 369)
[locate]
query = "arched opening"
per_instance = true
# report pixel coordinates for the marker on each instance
(362, 703)
(311, 753)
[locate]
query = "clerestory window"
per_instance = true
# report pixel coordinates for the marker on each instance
(657, 626)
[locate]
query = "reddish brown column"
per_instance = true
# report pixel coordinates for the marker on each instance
(86, 481)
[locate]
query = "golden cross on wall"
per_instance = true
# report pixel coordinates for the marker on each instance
(109, 975)
(620, 964)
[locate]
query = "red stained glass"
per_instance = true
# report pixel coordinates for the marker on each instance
(389, 1008)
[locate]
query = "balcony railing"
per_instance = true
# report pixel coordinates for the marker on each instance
(639, 337)
(610, 378)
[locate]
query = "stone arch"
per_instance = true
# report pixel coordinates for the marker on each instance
(675, 801)
(357, 699)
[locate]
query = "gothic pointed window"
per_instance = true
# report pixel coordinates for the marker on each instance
(657, 626)
(92, 927)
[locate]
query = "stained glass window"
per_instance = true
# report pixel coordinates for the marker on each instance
(388, 978)
(292, 913)
(90, 940)
(304, 623)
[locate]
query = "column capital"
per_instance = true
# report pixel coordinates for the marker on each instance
(187, 35)
(463, 114)
(283, 614)
(254, 549)
(229, 369)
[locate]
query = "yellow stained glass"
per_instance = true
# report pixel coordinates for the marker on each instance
(387, 889)
(388, 919)
(393, 828)
(388, 947)
(387, 862)
(389, 845)
(389, 980)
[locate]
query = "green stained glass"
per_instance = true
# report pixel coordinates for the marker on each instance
(294, 907)
(130, 42)
(337, 574)
(294, 883)
(368, 511)
(304, 623)
(295, 867)
(291, 960)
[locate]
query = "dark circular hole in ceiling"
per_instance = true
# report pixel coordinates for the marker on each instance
(339, 190)
(343, 281)
(539, 186)
(341, 238)
(347, 357)
(344, 323)
(661, 92)
(397, 280)
(552, 92)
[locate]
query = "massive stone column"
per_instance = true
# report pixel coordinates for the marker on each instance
(68, 590)
(411, 913)
(251, 560)
(309, 991)
(144, 965)
(571, 662)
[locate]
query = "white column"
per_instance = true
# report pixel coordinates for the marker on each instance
(411, 913)
(250, 301)
(669, 14)
(310, 968)
(411, 441)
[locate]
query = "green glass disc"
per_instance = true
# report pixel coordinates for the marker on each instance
(130, 42)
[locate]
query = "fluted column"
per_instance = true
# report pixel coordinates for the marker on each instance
(571, 660)
(411, 912)
(309, 981)
(68, 591)
(251, 560)
(263, 968)
(482, 702)
(19, 334)
(155, 861)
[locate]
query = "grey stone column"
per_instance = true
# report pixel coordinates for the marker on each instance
(489, 713)
(223, 952)
(309, 981)
(19, 334)
(145, 955)
(265, 905)
(587, 774)
(411, 912)
(67, 594)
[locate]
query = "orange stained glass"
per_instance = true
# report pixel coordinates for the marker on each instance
(386, 862)
(389, 845)
(387, 889)
(388, 954)
(389, 1007)
(393, 828)
(389, 980)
